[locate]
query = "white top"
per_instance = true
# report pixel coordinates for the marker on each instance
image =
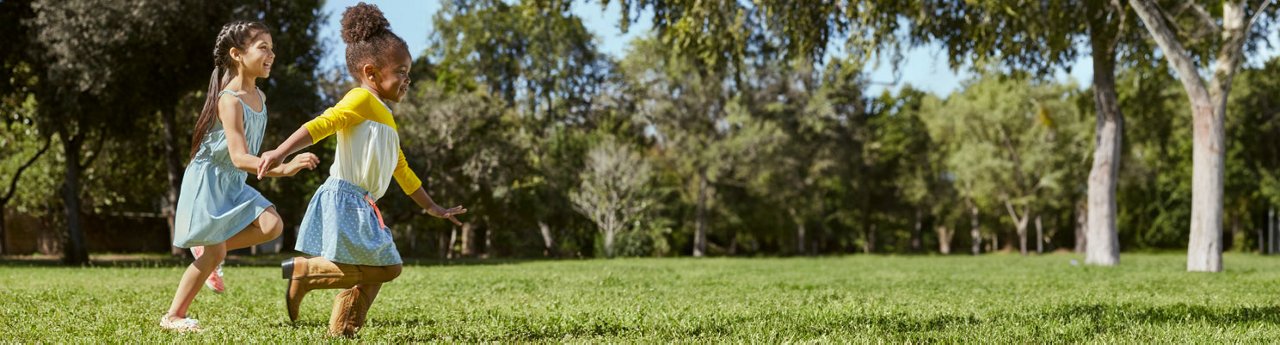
(368, 152)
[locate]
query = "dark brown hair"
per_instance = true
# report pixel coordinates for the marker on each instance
(238, 35)
(368, 37)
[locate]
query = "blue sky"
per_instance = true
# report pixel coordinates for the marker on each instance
(924, 67)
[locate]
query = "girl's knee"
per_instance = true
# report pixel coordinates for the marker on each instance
(276, 228)
(212, 256)
(219, 253)
(394, 271)
(388, 273)
(271, 224)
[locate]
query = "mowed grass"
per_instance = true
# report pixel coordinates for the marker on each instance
(992, 298)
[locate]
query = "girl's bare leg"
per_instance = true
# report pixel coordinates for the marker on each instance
(193, 278)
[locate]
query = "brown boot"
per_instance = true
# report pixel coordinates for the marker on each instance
(306, 274)
(349, 309)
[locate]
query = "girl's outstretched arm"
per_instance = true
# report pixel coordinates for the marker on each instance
(230, 113)
(420, 196)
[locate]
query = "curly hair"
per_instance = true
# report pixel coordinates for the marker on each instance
(368, 36)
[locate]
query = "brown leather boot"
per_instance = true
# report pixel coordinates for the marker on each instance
(349, 309)
(306, 274)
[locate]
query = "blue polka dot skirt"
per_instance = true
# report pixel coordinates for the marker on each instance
(343, 225)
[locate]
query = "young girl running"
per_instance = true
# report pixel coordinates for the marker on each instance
(216, 209)
(343, 227)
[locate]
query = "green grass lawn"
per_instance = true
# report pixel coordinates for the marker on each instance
(991, 298)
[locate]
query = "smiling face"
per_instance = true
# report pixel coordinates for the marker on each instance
(390, 81)
(257, 57)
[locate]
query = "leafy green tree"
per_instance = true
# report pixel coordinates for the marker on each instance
(1010, 136)
(89, 74)
(540, 59)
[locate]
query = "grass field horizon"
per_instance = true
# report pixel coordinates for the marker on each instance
(860, 298)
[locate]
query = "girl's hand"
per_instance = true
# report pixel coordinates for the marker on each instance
(306, 160)
(269, 160)
(441, 212)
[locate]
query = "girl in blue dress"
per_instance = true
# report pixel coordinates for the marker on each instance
(216, 210)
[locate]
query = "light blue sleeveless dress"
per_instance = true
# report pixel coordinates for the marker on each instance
(215, 203)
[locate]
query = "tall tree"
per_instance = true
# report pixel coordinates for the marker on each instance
(1181, 47)
(1041, 37)
(542, 61)
(90, 72)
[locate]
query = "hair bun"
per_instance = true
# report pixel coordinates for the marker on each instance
(363, 21)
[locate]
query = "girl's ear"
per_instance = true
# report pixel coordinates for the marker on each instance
(370, 73)
(235, 53)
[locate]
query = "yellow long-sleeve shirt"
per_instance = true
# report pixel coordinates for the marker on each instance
(368, 152)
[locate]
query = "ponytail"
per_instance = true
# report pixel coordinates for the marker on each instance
(207, 114)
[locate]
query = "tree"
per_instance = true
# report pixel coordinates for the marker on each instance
(542, 61)
(89, 75)
(1040, 37)
(1208, 105)
(612, 193)
(1010, 139)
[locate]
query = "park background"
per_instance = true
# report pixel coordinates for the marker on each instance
(962, 145)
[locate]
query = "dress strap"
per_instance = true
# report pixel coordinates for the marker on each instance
(246, 104)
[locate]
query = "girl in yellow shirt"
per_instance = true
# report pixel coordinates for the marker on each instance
(343, 227)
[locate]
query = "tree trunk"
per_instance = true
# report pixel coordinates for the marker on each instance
(1020, 223)
(944, 239)
(916, 233)
(1263, 239)
(608, 242)
(974, 231)
(1208, 109)
(869, 245)
(700, 230)
(488, 242)
(1101, 232)
(799, 230)
(548, 242)
(1039, 236)
(446, 246)
(74, 252)
(174, 165)
(3, 239)
(468, 240)
(1082, 221)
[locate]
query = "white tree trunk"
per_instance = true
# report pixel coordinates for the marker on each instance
(1039, 236)
(944, 239)
(1020, 223)
(974, 231)
(1082, 221)
(1100, 221)
(1208, 108)
(700, 229)
(548, 241)
(1103, 247)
